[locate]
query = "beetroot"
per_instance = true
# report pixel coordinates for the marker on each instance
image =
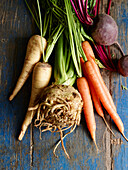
(123, 66)
(104, 30)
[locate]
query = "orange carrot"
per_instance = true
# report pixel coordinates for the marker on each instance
(83, 88)
(88, 50)
(94, 80)
(98, 106)
(82, 65)
(91, 57)
(96, 101)
(95, 98)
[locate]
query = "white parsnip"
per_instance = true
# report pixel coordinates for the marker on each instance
(33, 55)
(41, 77)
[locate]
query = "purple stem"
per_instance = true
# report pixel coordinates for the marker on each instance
(76, 11)
(98, 8)
(109, 6)
(81, 9)
(109, 55)
(121, 50)
(88, 18)
(83, 2)
(95, 9)
(101, 55)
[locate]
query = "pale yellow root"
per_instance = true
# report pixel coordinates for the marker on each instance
(41, 77)
(26, 123)
(61, 141)
(61, 136)
(33, 55)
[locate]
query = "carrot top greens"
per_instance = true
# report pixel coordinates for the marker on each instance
(54, 18)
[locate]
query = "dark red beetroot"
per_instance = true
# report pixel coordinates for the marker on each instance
(105, 33)
(104, 30)
(123, 66)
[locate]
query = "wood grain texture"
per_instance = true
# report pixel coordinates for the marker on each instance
(16, 27)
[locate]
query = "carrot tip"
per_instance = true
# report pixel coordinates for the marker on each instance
(108, 126)
(94, 140)
(125, 137)
(96, 147)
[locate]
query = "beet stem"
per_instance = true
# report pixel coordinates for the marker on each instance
(110, 57)
(120, 48)
(109, 6)
(75, 7)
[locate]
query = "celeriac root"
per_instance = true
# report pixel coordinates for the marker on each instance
(59, 109)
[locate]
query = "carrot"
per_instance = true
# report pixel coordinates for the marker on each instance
(83, 88)
(91, 57)
(94, 80)
(98, 106)
(40, 79)
(33, 55)
(88, 50)
(95, 98)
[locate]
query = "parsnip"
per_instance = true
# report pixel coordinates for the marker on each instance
(33, 55)
(41, 77)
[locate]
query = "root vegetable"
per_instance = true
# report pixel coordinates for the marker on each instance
(91, 57)
(91, 75)
(104, 30)
(123, 66)
(41, 77)
(84, 90)
(95, 98)
(59, 109)
(98, 106)
(33, 55)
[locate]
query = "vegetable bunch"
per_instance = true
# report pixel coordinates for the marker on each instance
(99, 92)
(104, 32)
(63, 37)
(85, 10)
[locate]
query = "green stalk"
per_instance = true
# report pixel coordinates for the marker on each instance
(45, 25)
(64, 71)
(33, 16)
(40, 25)
(77, 37)
(85, 35)
(73, 38)
(52, 41)
(59, 59)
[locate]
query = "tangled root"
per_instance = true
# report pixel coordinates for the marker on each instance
(59, 109)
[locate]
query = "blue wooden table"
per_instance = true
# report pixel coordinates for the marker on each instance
(16, 27)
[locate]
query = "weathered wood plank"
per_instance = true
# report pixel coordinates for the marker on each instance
(16, 26)
(119, 151)
(15, 29)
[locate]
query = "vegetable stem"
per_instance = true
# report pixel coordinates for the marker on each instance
(40, 24)
(75, 41)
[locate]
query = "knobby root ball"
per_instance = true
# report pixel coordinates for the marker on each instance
(59, 109)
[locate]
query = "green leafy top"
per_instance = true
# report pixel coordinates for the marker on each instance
(53, 17)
